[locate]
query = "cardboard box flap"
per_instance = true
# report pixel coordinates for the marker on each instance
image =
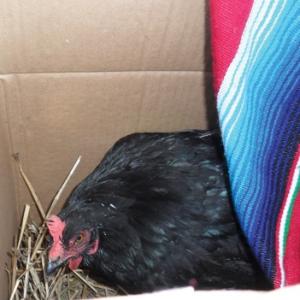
(108, 35)
(53, 118)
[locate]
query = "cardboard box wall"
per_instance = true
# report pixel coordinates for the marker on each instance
(76, 75)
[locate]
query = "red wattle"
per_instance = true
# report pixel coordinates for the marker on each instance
(74, 263)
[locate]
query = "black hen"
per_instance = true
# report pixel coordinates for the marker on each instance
(156, 214)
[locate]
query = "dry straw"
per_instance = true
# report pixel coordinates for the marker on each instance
(27, 276)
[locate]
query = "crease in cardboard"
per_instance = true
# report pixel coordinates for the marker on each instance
(8, 222)
(104, 72)
(46, 110)
(6, 121)
(21, 143)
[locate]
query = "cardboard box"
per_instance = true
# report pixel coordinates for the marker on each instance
(77, 75)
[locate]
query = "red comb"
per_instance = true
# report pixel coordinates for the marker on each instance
(56, 227)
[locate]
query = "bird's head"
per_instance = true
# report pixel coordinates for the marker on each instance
(71, 242)
(82, 227)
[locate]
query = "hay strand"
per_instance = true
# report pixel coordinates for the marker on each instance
(30, 187)
(45, 276)
(53, 204)
(27, 277)
(27, 268)
(15, 289)
(84, 281)
(60, 191)
(24, 222)
(39, 241)
(14, 265)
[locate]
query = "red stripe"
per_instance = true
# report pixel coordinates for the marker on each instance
(294, 226)
(292, 257)
(292, 252)
(228, 19)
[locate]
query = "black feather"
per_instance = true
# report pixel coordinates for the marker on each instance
(160, 204)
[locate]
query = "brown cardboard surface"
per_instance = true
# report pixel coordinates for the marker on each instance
(77, 75)
(7, 197)
(53, 118)
(106, 35)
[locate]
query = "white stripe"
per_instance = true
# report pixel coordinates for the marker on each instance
(235, 100)
(252, 38)
(233, 108)
(270, 29)
(284, 220)
(257, 14)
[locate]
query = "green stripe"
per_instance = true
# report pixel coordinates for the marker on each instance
(289, 214)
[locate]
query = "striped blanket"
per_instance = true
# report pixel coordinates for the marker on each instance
(256, 67)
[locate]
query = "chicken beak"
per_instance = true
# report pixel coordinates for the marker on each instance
(53, 265)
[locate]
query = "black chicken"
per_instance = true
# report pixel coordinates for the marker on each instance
(156, 214)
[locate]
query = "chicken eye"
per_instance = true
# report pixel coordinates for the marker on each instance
(79, 239)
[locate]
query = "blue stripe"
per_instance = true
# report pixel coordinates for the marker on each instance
(246, 60)
(256, 135)
(256, 78)
(265, 129)
(270, 136)
(267, 156)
